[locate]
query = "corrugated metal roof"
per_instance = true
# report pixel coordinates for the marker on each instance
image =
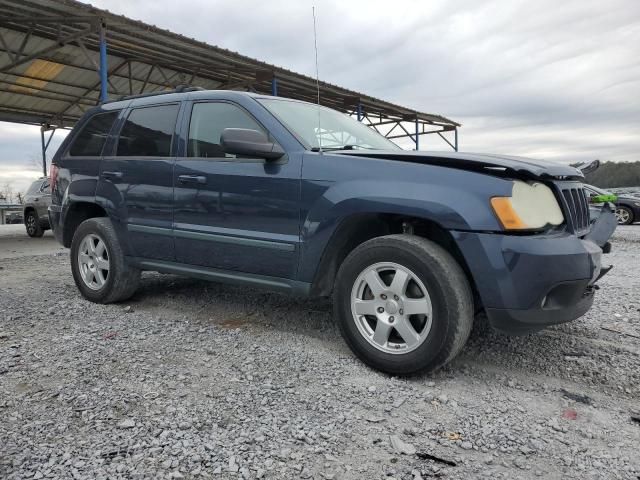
(49, 61)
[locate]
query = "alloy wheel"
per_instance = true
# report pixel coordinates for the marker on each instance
(31, 224)
(93, 261)
(391, 308)
(622, 215)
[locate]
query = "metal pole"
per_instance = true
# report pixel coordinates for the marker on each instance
(44, 152)
(359, 111)
(274, 86)
(456, 139)
(417, 130)
(103, 65)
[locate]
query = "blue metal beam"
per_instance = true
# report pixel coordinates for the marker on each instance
(274, 86)
(359, 111)
(417, 134)
(103, 65)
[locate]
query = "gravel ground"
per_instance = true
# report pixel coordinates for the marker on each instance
(198, 380)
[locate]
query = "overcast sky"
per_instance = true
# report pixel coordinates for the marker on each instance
(548, 79)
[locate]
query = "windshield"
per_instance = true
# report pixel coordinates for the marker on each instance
(337, 131)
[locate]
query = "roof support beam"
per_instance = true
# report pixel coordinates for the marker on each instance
(448, 142)
(12, 58)
(104, 75)
(89, 90)
(92, 61)
(146, 80)
(59, 44)
(24, 43)
(45, 95)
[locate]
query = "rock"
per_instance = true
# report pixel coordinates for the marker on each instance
(465, 445)
(372, 389)
(400, 446)
(184, 425)
(399, 401)
(374, 419)
(127, 423)
(520, 463)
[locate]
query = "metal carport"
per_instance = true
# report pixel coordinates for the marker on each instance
(60, 57)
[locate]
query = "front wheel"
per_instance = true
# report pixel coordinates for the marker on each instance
(403, 304)
(98, 264)
(34, 229)
(624, 215)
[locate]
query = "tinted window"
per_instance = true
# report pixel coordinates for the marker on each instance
(148, 132)
(45, 188)
(91, 139)
(208, 120)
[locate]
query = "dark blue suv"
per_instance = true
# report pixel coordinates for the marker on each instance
(286, 195)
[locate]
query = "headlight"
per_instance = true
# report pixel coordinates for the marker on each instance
(531, 206)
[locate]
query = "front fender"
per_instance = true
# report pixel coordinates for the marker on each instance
(453, 208)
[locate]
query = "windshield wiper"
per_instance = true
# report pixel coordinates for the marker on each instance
(343, 147)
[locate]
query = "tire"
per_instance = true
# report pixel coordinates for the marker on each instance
(32, 224)
(624, 215)
(115, 283)
(442, 332)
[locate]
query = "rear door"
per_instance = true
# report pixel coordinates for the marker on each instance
(234, 213)
(136, 179)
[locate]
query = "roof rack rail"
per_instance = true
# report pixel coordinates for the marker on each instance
(178, 89)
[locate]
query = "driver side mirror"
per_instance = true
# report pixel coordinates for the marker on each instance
(250, 143)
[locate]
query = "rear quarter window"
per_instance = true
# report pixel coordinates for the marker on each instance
(91, 139)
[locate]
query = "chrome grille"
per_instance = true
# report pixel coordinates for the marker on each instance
(576, 207)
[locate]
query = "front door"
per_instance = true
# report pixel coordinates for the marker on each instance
(136, 180)
(234, 213)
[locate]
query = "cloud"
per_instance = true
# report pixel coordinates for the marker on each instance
(21, 154)
(559, 80)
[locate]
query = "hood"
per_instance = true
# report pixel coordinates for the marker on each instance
(498, 165)
(628, 197)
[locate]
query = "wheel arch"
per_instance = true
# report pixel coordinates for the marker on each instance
(28, 209)
(358, 228)
(77, 213)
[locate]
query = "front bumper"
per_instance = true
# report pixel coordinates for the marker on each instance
(526, 283)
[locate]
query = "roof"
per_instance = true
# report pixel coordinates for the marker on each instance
(49, 64)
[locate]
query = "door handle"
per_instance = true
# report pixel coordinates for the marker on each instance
(112, 174)
(192, 179)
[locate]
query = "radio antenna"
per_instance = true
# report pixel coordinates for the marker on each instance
(315, 44)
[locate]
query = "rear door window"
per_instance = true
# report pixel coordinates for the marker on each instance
(92, 137)
(148, 132)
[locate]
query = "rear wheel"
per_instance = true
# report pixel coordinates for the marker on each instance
(624, 215)
(403, 304)
(34, 229)
(98, 264)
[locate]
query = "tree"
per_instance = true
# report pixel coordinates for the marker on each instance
(6, 192)
(616, 174)
(36, 158)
